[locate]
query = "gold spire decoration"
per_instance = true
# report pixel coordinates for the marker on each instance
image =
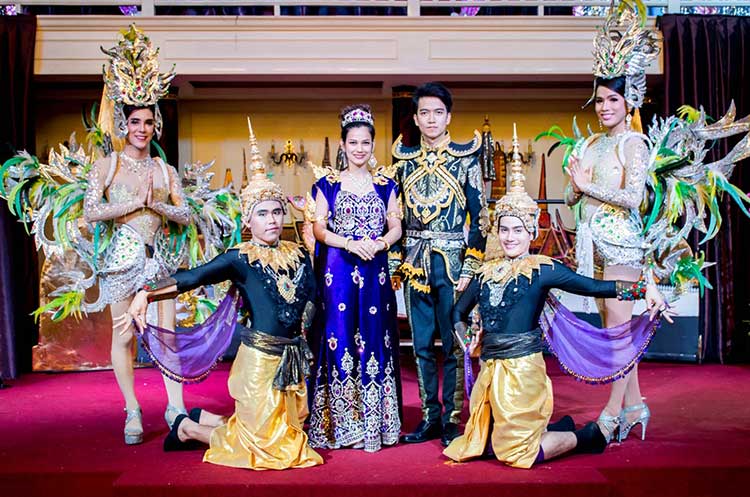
(259, 188)
(517, 201)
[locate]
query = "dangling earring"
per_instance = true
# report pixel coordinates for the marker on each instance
(372, 162)
(601, 126)
(628, 120)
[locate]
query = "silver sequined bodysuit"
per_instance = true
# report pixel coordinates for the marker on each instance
(132, 258)
(610, 227)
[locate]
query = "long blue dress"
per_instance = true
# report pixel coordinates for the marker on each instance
(355, 400)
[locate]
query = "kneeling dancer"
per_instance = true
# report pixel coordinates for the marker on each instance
(274, 283)
(512, 398)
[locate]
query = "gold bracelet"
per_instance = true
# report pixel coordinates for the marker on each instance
(387, 245)
(346, 243)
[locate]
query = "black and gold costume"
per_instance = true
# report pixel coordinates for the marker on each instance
(512, 396)
(441, 188)
(267, 379)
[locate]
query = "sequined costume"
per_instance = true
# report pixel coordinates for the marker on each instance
(512, 388)
(267, 381)
(131, 258)
(668, 164)
(101, 231)
(441, 187)
(356, 398)
(609, 230)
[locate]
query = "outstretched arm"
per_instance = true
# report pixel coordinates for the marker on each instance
(217, 270)
(560, 276)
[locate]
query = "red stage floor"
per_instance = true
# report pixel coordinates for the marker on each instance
(61, 435)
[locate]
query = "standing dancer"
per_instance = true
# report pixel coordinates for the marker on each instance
(136, 191)
(637, 197)
(357, 219)
(441, 183)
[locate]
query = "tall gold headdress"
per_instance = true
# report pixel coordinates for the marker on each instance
(624, 46)
(133, 78)
(517, 201)
(259, 188)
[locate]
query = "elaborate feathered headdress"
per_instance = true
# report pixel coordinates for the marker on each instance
(133, 78)
(259, 188)
(517, 201)
(625, 47)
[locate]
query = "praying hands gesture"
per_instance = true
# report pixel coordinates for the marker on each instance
(580, 177)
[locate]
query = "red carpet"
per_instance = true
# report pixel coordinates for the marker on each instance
(61, 435)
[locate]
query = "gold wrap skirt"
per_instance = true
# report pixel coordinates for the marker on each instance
(516, 395)
(265, 431)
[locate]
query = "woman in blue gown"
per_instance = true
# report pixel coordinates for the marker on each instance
(357, 218)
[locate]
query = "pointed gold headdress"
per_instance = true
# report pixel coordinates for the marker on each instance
(624, 46)
(259, 188)
(517, 202)
(133, 78)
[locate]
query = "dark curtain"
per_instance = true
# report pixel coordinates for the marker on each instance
(707, 62)
(19, 280)
(403, 116)
(169, 140)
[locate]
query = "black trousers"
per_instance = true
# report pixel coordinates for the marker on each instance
(430, 313)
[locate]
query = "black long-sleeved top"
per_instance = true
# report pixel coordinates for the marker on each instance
(516, 308)
(269, 312)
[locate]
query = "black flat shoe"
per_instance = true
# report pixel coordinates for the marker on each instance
(565, 423)
(195, 414)
(173, 443)
(590, 439)
(424, 432)
(450, 431)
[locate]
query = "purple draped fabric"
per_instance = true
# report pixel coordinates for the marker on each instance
(188, 355)
(591, 354)
(468, 373)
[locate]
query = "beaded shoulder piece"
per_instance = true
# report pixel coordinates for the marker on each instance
(503, 270)
(285, 256)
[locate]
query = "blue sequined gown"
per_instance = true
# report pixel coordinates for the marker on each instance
(355, 400)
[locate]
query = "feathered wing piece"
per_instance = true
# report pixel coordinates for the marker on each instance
(50, 197)
(686, 189)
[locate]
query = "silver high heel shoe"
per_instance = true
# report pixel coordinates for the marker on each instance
(626, 426)
(608, 425)
(171, 413)
(133, 435)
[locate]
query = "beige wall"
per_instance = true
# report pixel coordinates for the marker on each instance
(217, 130)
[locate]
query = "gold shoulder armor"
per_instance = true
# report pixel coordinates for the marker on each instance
(464, 149)
(332, 175)
(402, 152)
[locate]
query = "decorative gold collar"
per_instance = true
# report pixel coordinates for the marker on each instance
(503, 270)
(440, 144)
(286, 255)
